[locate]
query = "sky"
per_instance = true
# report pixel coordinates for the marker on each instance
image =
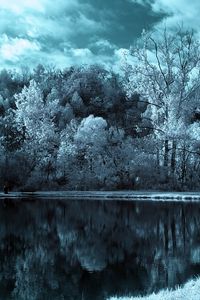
(62, 33)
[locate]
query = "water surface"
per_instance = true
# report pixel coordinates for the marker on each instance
(75, 250)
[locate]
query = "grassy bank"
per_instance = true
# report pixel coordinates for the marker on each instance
(190, 291)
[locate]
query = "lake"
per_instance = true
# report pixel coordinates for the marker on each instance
(93, 249)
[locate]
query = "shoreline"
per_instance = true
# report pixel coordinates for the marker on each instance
(189, 291)
(108, 195)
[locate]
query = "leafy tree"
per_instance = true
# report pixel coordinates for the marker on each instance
(166, 75)
(35, 119)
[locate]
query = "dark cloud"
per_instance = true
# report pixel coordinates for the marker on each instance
(122, 20)
(72, 31)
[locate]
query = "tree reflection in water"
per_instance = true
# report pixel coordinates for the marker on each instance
(94, 249)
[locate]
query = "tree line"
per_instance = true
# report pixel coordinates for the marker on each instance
(86, 127)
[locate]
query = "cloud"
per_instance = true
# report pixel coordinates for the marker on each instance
(20, 6)
(179, 11)
(142, 2)
(69, 32)
(13, 49)
(176, 12)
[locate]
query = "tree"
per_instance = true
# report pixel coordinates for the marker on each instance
(166, 74)
(36, 119)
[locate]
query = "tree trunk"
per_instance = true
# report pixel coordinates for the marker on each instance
(173, 157)
(183, 165)
(158, 159)
(166, 153)
(6, 167)
(166, 158)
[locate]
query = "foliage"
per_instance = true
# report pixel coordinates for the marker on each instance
(89, 128)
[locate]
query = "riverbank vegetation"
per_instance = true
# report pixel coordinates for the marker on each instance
(190, 291)
(89, 128)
